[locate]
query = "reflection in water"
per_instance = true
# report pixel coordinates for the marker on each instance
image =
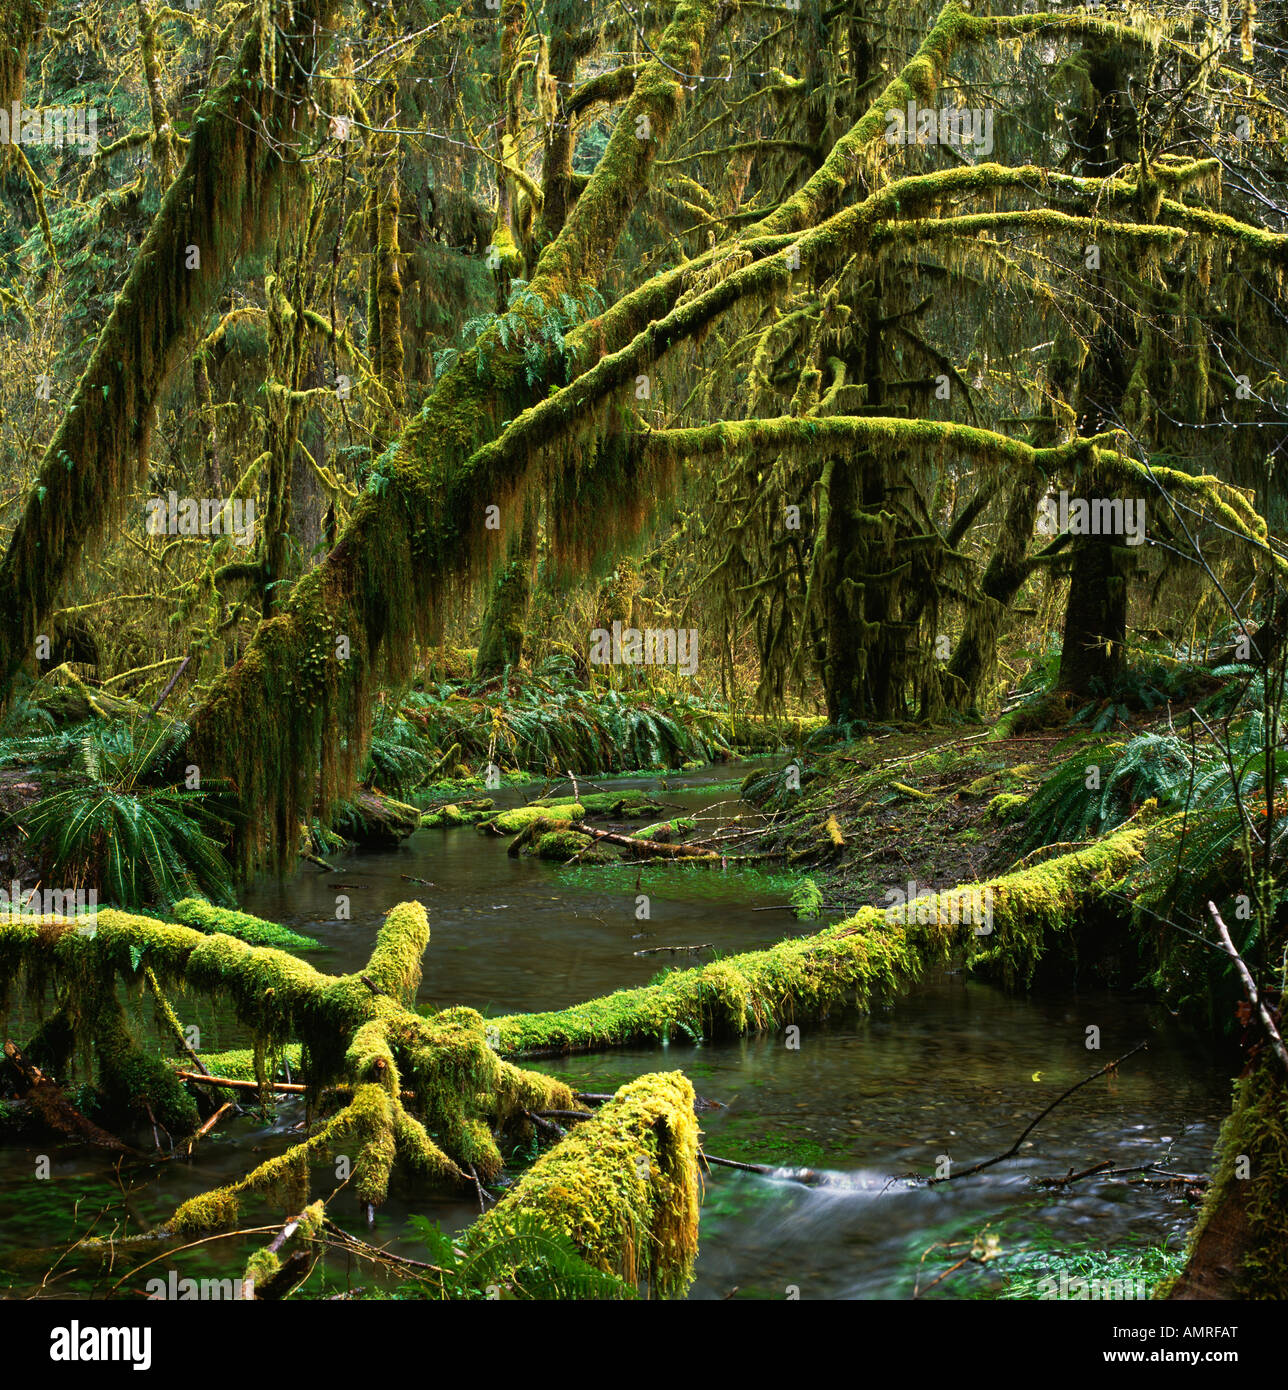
(954, 1070)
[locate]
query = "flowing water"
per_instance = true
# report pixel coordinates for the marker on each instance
(955, 1068)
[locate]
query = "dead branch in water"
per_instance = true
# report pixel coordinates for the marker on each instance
(1033, 1124)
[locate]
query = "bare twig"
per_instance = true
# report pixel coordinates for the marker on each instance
(1033, 1124)
(1250, 989)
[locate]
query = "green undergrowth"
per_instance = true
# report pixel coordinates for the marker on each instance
(1047, 1270)
(534, 722)
(114, 812)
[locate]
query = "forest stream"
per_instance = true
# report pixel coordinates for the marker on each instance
(956, 1066)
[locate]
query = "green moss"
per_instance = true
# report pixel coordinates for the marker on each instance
(351, 1033)
(1244, 1219)
(623, 1187)
(667, 830)
(511, 822)
(562, 845)
(196, 912)
(131, 1082)
(1007, 806)
(872, 952)
(401, 943)
(223, 200)
(501, 637)
(262, 1266)
(238, 1064)
(453, 815)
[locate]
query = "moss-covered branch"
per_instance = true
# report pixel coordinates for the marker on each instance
(416, 536)
(408, 1076)
(221, 204)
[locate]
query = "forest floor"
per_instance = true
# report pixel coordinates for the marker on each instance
(924, 806)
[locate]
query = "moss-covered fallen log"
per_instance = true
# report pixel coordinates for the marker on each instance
(623, 1186)
(1005, 921)
(357, 1032)
(205, 917)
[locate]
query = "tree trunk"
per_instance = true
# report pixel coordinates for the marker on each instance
(1239, 1248)
(218, 208)
(1095, 619)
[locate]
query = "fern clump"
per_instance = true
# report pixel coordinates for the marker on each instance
(1103, 783)
(118, 823)
(530, 324)
(807, 899)
(530, 1260)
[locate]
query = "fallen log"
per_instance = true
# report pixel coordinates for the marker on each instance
(637, 846)
(877, 950)
(55, 1111)
(369, 1048)
(623, 1187)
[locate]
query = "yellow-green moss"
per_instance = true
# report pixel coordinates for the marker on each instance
(196, 912)
(623, 1187)
(511, 822)
(876, 950)
(1007, 806)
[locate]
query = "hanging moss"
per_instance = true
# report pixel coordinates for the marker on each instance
(412, 537)
(504, 619)
(222, 202)
(133, 1083)
(23, 21)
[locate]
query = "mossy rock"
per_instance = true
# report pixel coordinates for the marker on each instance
(1007, 806)
(375, 821)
